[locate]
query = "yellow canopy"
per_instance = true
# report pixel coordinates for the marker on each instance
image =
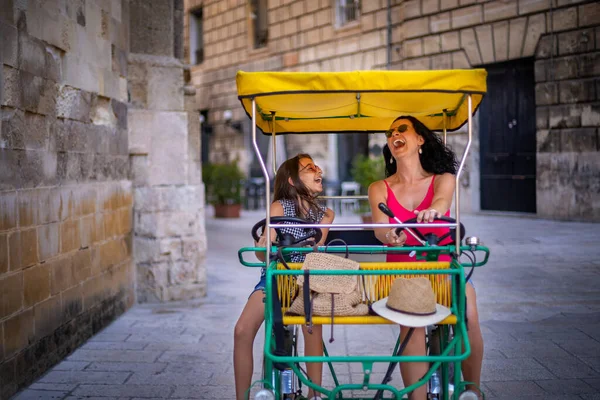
(358, 101)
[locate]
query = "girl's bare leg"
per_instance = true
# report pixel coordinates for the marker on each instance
(471, 367)
(245, 331)
(411, 371)
(313, 346)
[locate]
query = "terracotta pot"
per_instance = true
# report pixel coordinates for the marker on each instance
(227, 210)
(367, 219)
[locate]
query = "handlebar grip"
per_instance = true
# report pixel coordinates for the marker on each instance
(385, 209)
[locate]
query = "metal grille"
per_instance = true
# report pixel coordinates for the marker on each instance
(347, 11)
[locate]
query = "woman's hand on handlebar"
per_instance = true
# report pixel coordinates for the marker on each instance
(393, 239)
(428, 215)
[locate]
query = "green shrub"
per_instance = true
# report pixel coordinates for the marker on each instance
(223, 183)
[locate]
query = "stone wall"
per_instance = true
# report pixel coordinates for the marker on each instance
(564, 42)
(65, 197)
(164, 145)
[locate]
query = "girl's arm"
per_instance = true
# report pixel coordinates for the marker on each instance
(443, 190)
(378, 194)
(327, 219)
(276, 211)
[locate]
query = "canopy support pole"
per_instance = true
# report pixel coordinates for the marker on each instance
(263, 167)
(273, 144)
(460, 168)
(445, 132)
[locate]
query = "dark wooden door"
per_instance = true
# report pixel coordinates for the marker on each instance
(508, 138)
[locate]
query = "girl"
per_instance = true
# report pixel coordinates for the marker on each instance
(297, 183)
(420, 182)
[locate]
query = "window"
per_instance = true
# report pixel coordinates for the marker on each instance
(196, 39)
(346, 11)
(259, 23)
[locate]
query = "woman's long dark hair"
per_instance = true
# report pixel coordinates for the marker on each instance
(435, 158)
(283, 189)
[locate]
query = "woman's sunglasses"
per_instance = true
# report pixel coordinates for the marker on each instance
(399, 128)
(311, 168)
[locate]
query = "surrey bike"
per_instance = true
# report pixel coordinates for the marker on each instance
(366, 102)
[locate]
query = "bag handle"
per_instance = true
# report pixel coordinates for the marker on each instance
(338, 240)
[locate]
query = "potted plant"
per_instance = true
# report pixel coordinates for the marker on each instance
(224, 182)
(366, 170)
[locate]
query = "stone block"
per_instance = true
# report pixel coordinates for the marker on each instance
(540, 71)
(416, 27)
(546, 93)
(498, 9)
(501, 32)
(167, 224)
(59, 32)
(82, 265)
(61, 274)
(469, 44)
(70, 238)
(531, 6)
(165, 88)
(48, 241)
(73, 103)
(119, 61)
(9, 44)
(413, 48)
(548, 141)
(3, 253)
(7, 12)
(431, 44)
(8, 210)
(589, 64)
(32, 55)
(564, 19)
(579, 41)
(577, 91)
(36, 284)
(47, 99)
(12, 91)
(486, 43)
(23, 249)
(467, 16)
(564, 68)
(536, 27)
(541, 119)
(441, 61)
(72, 302)
(590, 115)
(516, 35)
(450, 41)
(111, 224)
(47, 317)
(562, 116)
(589, 14)
(11, 294)
(32, 88)
(579, 140)
(90, 231)
(460, 60)
(18, 332)
(151, 28)
(440, 22)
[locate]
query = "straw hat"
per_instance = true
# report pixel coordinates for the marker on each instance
(411, 303)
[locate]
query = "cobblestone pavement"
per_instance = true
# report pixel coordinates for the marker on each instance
(539, 302)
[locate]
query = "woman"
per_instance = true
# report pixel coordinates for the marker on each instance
(297, 183)
(420, 183)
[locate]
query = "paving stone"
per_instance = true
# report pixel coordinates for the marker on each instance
(127, 366)
(83, 377)
(170, 378)
(514, 370)
(566, 386)
(115, 355)
(57, 387)
(114, 346)
(567, 368)
(31, 394)
(127, 390)
(71, 365)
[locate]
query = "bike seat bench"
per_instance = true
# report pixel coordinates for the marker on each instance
(374, 288)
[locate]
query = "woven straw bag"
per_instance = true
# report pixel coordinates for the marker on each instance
(343, 303)
(330, 283)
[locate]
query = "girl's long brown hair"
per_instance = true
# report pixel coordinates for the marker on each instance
(283, 190)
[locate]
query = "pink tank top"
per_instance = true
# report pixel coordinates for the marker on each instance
(403, 214)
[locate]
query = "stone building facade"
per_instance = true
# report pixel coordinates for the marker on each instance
(101, 201)
(557, 40)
